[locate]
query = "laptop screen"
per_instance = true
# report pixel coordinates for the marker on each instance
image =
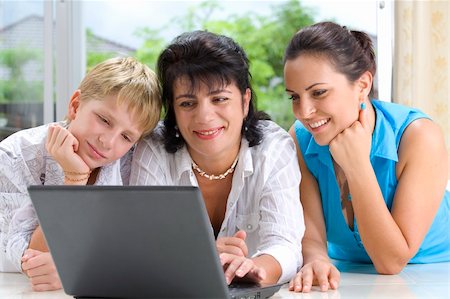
(130, 241)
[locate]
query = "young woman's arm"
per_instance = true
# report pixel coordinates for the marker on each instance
(391, 240)
(317, 268)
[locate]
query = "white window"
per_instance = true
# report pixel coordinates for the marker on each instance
(57, 41)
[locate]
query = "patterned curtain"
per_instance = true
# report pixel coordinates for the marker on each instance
(422, 62)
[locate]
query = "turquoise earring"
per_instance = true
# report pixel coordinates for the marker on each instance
(362, 105)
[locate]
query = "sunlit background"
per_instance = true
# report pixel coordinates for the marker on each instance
(142, 29)
(46, 47)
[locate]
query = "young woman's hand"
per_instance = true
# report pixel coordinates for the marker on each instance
(41, 270)
(233, 245)
(318, 272)
(352, 146)
(241, 268)
(62, 145)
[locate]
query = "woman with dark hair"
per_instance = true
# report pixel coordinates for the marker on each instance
(373, 173)
(245, 165)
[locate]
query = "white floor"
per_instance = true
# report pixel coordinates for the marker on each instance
(360, 281)
(431, 281)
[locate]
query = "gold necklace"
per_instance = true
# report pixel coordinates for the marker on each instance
(212, 176)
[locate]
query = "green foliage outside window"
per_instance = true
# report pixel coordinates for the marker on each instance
(16, 88)
(93, 58)
(263, 38)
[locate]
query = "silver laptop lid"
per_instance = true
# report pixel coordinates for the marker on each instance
(133, 241)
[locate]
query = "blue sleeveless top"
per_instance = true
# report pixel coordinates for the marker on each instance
(343, 243)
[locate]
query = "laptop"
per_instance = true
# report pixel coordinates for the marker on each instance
(134, 242)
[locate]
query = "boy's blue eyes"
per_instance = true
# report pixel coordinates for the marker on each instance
(126, 138)
(103, 119)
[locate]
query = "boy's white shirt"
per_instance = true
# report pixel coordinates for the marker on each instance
(25, 162)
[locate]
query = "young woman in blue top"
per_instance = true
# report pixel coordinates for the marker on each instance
(373, 173)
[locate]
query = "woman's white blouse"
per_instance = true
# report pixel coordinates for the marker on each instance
(264, 198)
(25, 162)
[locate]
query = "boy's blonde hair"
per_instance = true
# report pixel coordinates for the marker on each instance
(132, 82)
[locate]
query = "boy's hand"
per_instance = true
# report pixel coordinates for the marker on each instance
(41, 270)
(241, 268)
(233, 245)
(62, 145)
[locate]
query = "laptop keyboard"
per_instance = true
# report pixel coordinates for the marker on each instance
(244, 290)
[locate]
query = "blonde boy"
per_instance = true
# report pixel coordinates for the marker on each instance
(116, 104)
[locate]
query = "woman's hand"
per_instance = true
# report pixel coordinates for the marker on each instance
(352, 146)
(41, 270)
(62, 145)
(241, 268)
(318, 272)
(234, 245)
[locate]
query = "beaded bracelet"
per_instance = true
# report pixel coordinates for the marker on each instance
(77, 173)
(76, 180)
(84, 174)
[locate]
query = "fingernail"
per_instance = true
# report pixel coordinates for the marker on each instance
(363, 106)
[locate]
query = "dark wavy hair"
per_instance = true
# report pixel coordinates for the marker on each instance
(211, 59)
(350, 51)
